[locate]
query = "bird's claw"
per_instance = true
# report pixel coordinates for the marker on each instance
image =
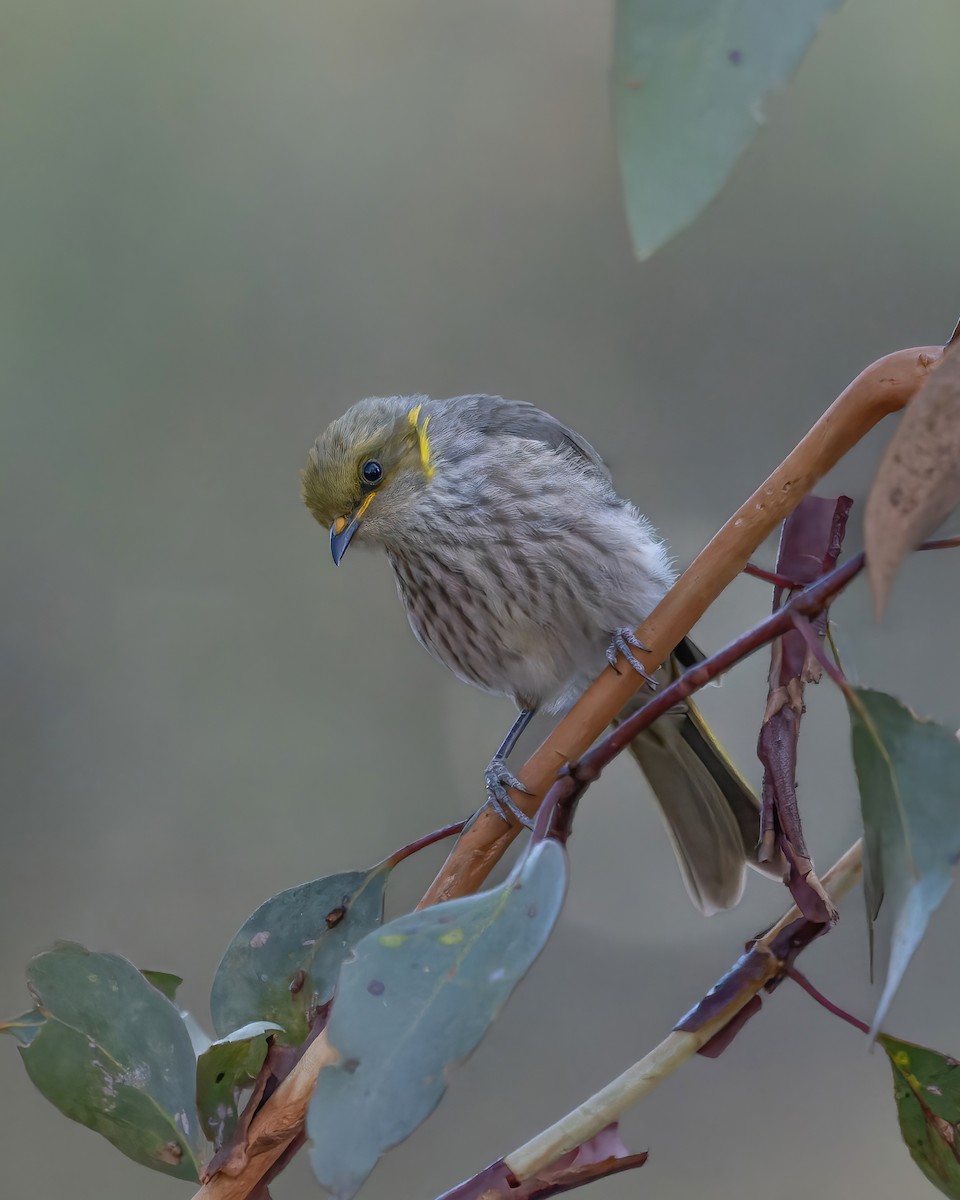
(499, 779)
(625, 641)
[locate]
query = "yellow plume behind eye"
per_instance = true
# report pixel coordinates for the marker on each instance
(413, 416)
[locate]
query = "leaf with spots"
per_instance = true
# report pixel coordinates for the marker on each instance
(284, 960)
(908, 771)
(417, 996)
(224, 1069)
(110, 1051)
(926, 1086)
(918, 481)
(689, 81)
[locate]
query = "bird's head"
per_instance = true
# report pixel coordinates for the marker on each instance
(367, 470)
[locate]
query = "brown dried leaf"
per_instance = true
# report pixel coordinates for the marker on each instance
(918, 481)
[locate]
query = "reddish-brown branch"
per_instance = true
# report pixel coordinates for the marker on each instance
(809, 545)
(428, 839)
(801, 979)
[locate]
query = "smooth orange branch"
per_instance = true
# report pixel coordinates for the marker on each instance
(884, 387)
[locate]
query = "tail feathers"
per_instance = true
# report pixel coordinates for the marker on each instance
(711, 814)
(706, 836)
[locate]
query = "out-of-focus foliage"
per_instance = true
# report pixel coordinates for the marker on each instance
(689, 84)
(918, 481)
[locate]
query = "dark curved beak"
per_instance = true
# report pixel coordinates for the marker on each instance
(343, 529)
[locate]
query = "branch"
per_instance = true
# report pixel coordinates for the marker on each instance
(801, 606)
(809, 545)
(761, 967)
(883, 388)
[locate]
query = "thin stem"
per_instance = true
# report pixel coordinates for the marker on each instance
(804, 982)
(428, 839)
(771, 577)
(947, 543)
(805, 629)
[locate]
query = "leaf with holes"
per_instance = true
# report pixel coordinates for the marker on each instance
(284, 960)
(908, 771)
(110, 1051)
(416, 996)
(918, 481)
(926, 1086)
(224, 1069)
(689, 80)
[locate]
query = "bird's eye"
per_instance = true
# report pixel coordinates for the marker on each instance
(371, 472)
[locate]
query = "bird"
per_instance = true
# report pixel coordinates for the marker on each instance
(523, 571)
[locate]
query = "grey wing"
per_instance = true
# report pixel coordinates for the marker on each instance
(494, 414)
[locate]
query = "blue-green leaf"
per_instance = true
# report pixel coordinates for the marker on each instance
(416, 996)
(110, 1051)
(284, 960)
(908, 771)
(689, 79)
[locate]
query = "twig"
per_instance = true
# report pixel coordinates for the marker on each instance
(806, 631)
(771, 577)
(808, 603)
(799, 978)
(810, 544)
(759, 968)
(428, 839)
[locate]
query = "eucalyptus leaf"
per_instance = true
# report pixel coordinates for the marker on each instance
(164, 982)
(415, 997)
(284, 960)
(110, 1051)
(689, 80)
(908, 770)
(926, 1086)
(918, 482)
(224, 1069)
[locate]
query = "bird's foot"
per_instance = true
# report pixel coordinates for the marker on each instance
(624, 641)
(499, 779)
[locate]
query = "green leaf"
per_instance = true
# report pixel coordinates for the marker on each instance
(926, 1086)
(416, 996)
(285, 958)
(223, 1070)
(908, 771)
(689, 80)
(164, 982)
(110, 1051)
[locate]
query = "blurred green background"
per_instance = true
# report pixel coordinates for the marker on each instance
(224, 222)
